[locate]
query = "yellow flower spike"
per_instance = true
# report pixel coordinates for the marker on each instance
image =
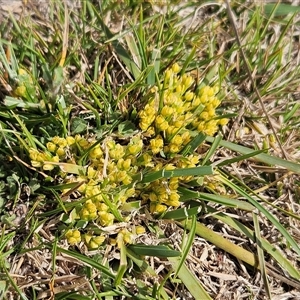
(173, 148)
(147, 160)
(73, 236)
(186, 137)
(91, 172)
(96, 241)
(51, 147)
(128, 237)
(55, 158)
(105, 218)
(197, 101)
(133, 149)
(173, 199)
(159, 208)
(168, 75)
(130, 192)
(180, 89)
(201, 127)
(176, 68)
(161, 123)
(167, 111)
(127, 164)
(215, 102)
(127, 179)
(55, 140)
(102, 207)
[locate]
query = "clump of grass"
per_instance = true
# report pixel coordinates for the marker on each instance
(115, 156)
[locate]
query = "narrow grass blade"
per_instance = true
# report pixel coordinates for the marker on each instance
(186, 248)
(87, 261)
(264, 211)
(154, 250)
(187, 194)
(240, 158)
(222, 243)
(189, 280)
(212, 149)
(273, 251)
(265, 158)
(260, 254)
(197, 171)
(181, 213)
(122, 266)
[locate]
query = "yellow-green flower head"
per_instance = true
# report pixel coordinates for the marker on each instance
(51, 147)
(73, 236)
(135, 146)
(61, 142)
(176, 68)
(105, 218)
(117, 152)
(96, 153)
(70, 140)
(161, 123)
(157, 208)
(96, 241)
(88, 211)
(156, 144)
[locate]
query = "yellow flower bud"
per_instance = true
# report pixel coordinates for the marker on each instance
(48, 167)
(70, 140)
(51, 147)
(140, 229)
(60, 151)
(176, 68)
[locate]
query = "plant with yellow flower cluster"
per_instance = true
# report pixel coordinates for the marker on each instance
(174, 110)
(113, 175)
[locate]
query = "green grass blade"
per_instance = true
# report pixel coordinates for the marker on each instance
(154, 250)
(260, 254)
(187, 194)
(88, 261)
(188, 245)
(189, 280)
(222, 243)
(197, 171)
(265, 158)
(264, 211)
(273, 251)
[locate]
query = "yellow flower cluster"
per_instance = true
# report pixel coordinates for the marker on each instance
(175, 109)
(112, 169)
